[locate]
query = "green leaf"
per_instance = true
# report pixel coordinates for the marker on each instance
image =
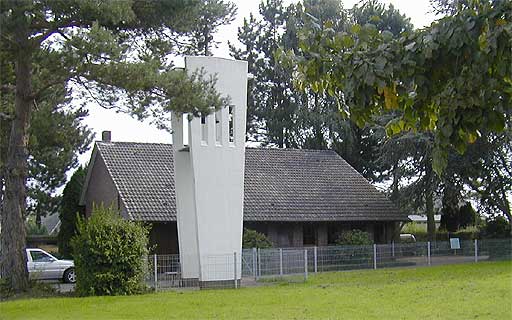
(496, 121)
(356, 28)
(387, 35)
(439, 161)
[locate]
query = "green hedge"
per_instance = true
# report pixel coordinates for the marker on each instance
(109, 254)
(354, 237)
(254, 239)
(445, 236)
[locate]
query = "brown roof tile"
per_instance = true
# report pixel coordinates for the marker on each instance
(280, 185)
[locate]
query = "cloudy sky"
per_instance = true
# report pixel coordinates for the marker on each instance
(125, 128)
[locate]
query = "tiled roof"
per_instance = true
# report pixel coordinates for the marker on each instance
(280, 185)
(309, 185)
(144, 176)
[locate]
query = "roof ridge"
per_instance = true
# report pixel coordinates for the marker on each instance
(132, 142)
(247, 148)
(291, 149)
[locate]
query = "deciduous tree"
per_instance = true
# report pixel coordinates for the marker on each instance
(452, 78)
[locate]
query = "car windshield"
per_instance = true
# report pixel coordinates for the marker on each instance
(38, 256)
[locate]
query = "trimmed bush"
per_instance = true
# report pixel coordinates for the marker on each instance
(421, 235)
(255, 239)
(109, 254)
(354, 237)
(356, 249)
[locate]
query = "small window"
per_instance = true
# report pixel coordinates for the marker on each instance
(218, 127)
(231, 119)
(204, 129)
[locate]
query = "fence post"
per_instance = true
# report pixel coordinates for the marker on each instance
(281, 262)
(316, 256)
(374, 256)
(259, 262)
(305, 264)
(234, 269)
(155, 273)
(393, 248)
(428, 253)
(476, 250)
(254, 265)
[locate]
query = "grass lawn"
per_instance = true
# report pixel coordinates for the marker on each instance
(469, 291)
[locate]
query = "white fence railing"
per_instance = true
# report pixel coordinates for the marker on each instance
(297, 263)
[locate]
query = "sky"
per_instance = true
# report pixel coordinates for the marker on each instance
(126, 128)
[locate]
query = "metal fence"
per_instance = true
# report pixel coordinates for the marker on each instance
(296, 264)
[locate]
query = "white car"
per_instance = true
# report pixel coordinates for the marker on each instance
(407, 237)
(42, 265)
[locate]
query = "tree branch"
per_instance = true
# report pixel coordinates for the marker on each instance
(6, 116)
(56, 28)
(40, 91)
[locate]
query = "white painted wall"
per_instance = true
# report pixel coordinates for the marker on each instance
(210, 179)
(185, 202)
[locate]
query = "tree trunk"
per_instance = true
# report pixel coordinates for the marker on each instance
(429, 203)
(506, 207)
(1, 198)
(4, 133)
(317, 126)
(394, 184)
(13, 267)
(38, 219)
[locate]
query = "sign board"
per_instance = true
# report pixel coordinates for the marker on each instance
(454, 243)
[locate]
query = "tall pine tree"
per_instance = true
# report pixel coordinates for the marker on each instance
(109, 52)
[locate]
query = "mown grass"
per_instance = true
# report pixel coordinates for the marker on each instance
(466, 291)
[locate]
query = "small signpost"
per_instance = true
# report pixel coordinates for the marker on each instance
(455, 244)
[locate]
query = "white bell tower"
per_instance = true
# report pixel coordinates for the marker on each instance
(210, 177)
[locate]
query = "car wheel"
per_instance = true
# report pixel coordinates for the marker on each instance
(70, 276)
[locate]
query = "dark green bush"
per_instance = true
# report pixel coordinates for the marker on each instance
(354, 237)
(109, 254)
(70, 208)
(355, 250)
(254, 239)
(497, 227)
(457, 218)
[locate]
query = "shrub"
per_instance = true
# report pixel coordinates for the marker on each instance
(255, 239)
(5, 289)
(414, 228)
(70, 208)
(498, 227)
(355, 250)
(454, 219)
(421, 234)
(109, 254)
(33, 229)
(354, 237)
(36, 289)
